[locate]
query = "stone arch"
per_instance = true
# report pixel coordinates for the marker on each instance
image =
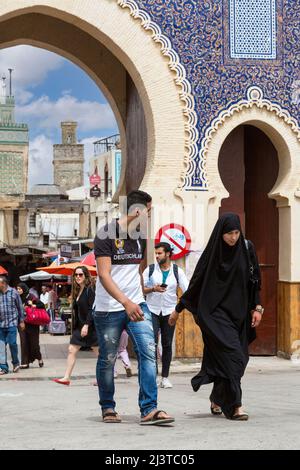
(275, 122)
(284, 133)
(285, 137)
(163, 88)
(275, 129)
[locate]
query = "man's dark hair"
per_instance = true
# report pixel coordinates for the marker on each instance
(139, 198)
(166, 246)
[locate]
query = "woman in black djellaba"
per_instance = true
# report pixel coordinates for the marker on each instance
(30, 337)
(223, 296)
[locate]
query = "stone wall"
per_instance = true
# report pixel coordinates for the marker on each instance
(68, 161)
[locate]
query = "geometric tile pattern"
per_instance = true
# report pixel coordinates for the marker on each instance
(252, 29)
(11, 173)
(198, 32)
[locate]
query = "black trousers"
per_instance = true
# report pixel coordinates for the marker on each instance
(160, 322)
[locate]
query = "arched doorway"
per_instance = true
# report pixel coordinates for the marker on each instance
(140, 74)
(283, 132)
(120, 90)
(249, 167)
(105, 39)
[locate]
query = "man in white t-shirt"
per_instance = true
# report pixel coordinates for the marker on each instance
(44, 297)
(119, 304)
(161, 283)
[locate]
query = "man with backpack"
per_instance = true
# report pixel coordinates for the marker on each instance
(161, 283)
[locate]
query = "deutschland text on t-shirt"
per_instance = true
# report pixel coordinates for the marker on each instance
(125, 254)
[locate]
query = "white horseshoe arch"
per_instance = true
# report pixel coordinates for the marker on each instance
(163, 87)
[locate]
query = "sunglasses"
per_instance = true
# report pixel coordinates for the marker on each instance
(79, 274)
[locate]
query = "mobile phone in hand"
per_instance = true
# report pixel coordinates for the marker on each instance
(164, 285)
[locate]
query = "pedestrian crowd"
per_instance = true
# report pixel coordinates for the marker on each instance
(143, 303)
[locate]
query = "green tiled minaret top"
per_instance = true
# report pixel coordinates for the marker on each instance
(10, 131)
(14, 142)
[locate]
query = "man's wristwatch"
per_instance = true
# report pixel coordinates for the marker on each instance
(259, 309)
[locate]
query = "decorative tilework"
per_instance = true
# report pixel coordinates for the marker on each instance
(253, 29)
(196, 31)
(118, 167)
(254, 98)
(180, 79)
(12, 135)
(11, 173)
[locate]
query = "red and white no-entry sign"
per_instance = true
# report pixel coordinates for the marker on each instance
(177, 236)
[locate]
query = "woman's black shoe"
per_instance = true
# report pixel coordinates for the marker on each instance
(24, 366)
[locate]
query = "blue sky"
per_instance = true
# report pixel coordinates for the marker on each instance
(49, 89)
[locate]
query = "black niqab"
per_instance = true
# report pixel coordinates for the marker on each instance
(216, 268)
(218, 297)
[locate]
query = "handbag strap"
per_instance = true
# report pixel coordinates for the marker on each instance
(251, 267)
(254, 276)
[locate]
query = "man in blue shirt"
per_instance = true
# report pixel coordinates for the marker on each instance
(11, 316)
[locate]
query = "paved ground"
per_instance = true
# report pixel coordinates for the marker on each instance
(38, 414)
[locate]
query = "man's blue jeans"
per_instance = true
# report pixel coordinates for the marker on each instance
(8, 336)
(109, 327)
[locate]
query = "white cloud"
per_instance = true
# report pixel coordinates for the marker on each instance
(48, 114)
(41, 157)
(89, 146)
(40, 161)
(24, 96)
(31, 68)
(30, 65)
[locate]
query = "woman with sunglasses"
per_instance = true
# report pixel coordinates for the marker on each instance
(84, 334)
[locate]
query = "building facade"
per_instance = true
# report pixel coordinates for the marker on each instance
(206, 95)
(14, 151)
(53, 218)
(14, 143)
(106, 163)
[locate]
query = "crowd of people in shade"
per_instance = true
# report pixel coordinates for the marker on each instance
(28, 313)
(138, 301)
(25, 312)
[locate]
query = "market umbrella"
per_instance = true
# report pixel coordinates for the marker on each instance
(88, 259)
(43, 276)
(68, 269)
(3, 270)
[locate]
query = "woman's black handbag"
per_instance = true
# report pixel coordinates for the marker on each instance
(254, 281)
(253, 287)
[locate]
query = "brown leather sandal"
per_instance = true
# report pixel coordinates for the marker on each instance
(157, 420)
(111, 417)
